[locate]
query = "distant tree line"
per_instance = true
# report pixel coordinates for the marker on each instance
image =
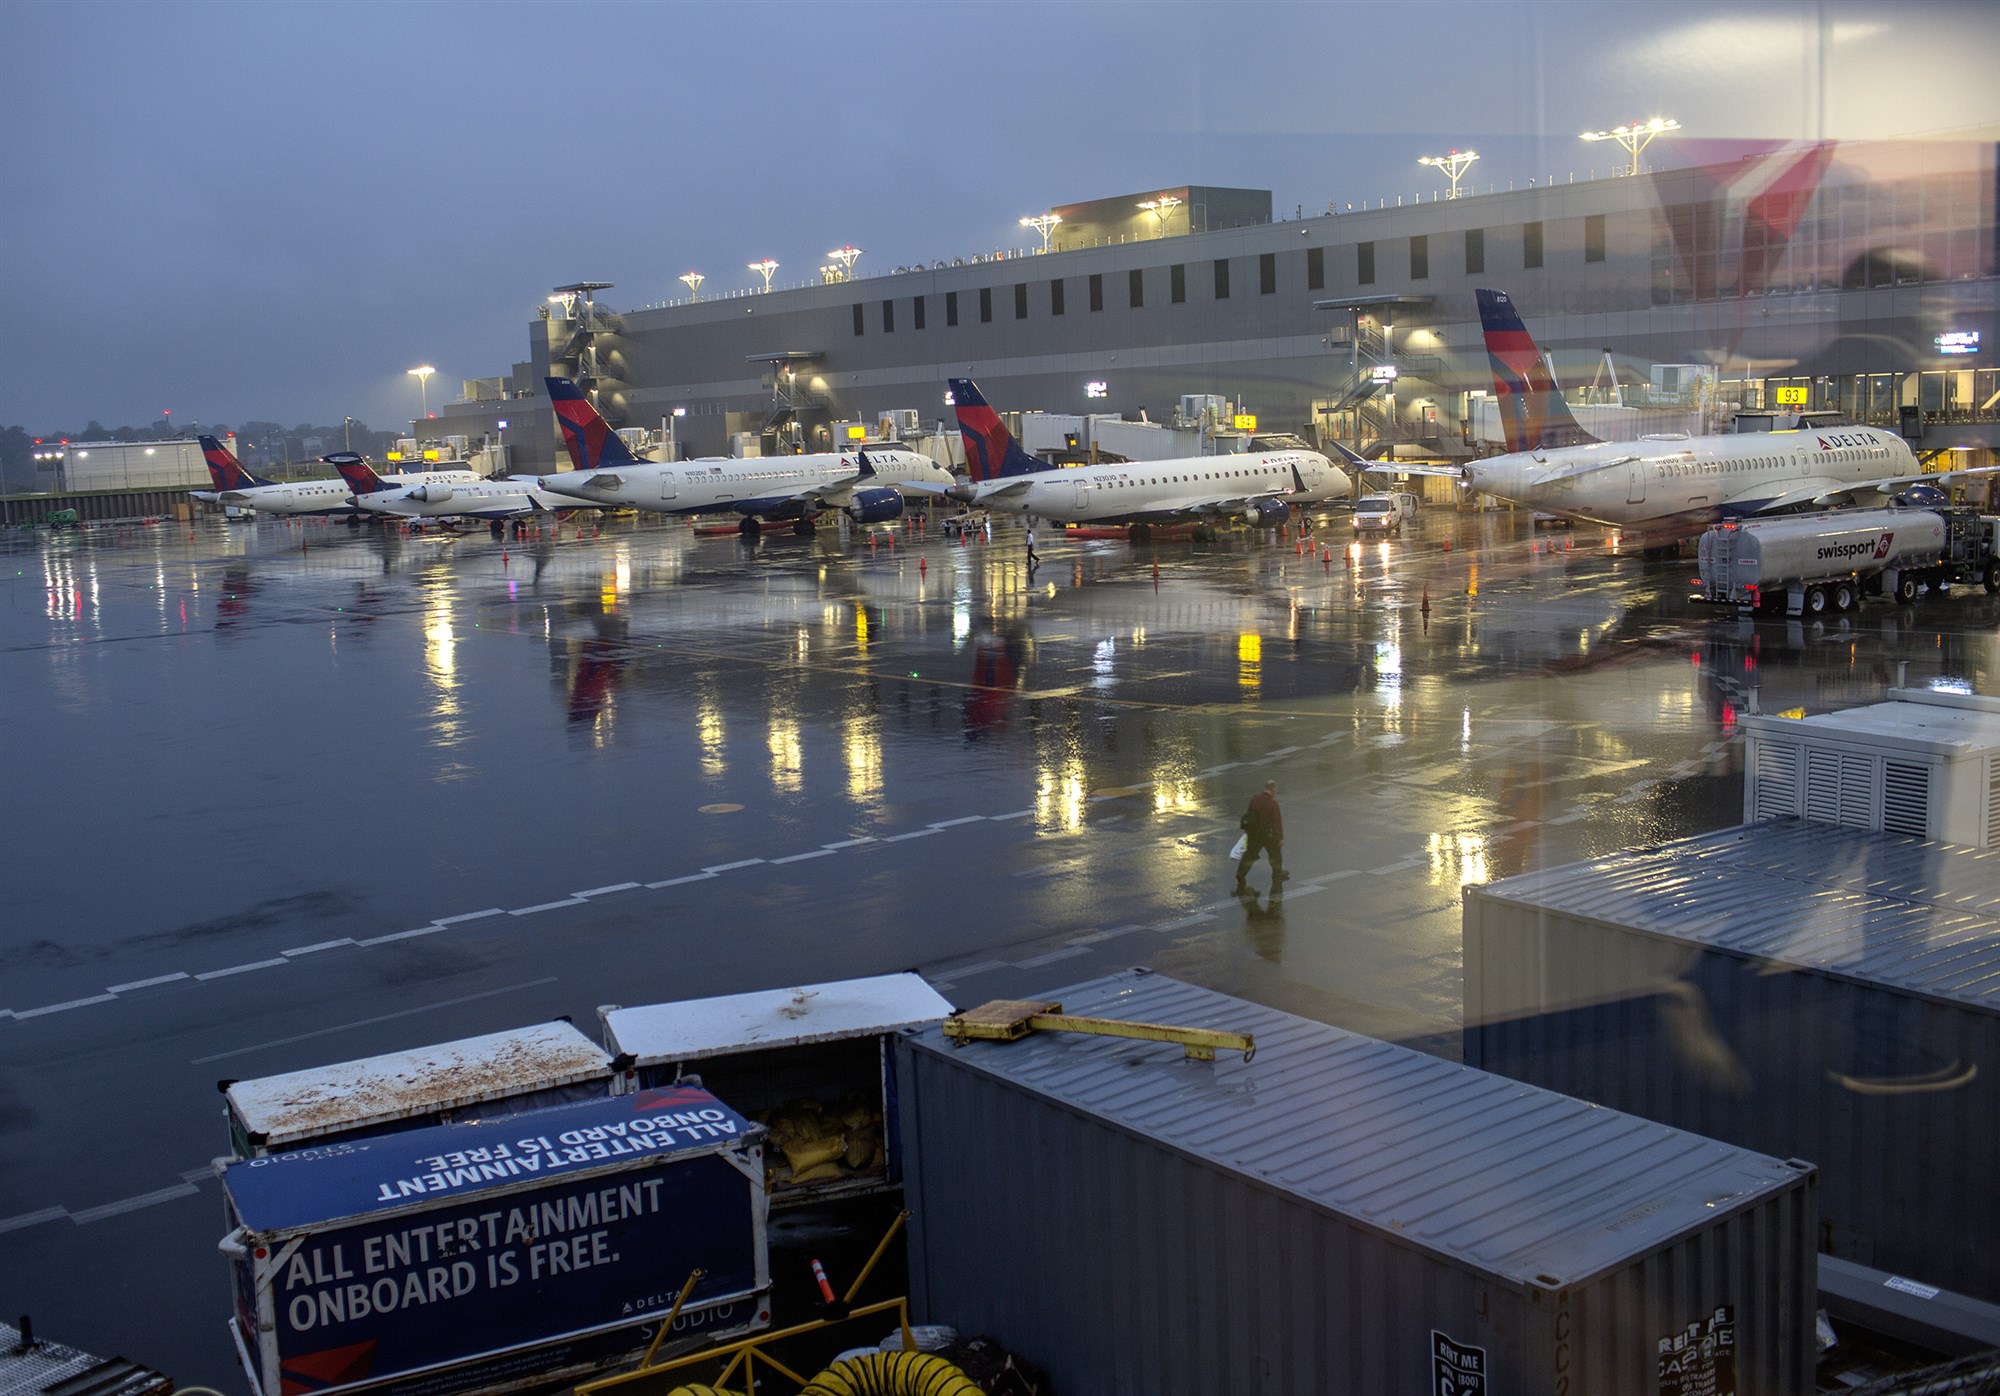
(259, 445)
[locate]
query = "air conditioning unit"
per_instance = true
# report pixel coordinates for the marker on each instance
(1925, 762)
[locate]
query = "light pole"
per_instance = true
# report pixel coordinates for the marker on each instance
(422, 373)
(694, 280)
(1454, 165)
(764, 269)
(347, 434)
(1043, 223)
(1634, 137)
(1161, 208)
(673, 422)
(845, 258)
(500, 428)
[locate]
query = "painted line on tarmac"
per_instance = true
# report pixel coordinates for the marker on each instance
(912, 834)
(155, 981)
(46, 1214)
(849, 843)
(547, 906)
(465, 916)
(323, 945)
(370, 1022)
(677, 881)
(962, 819)
(801, 857)
(430, 930)
(732, 867)
(606, 891)
(61, 1007)
(1066, 953)
(133, 1204)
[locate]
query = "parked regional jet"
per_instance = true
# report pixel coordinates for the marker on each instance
(1258, 487)
(238, 487)
(491, 500)
(1669, 485)
(862, 484)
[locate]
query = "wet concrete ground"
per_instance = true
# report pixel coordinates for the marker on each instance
(287, 794)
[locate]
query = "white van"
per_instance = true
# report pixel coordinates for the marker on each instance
(1384, 513)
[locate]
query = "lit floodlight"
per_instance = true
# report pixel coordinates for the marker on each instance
(845, 258)
(1161, 208)
(1097, 390)
(1634, 137)
(693, 282)
(764, 269)
(1043, 223)
(422, 373)
(1454, 165)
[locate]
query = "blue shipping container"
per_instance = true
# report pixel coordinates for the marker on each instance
(493, 1252)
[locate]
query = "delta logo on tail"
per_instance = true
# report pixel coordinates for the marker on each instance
(591, 441)
(990, 449)
(360, 476)
(223, 467)
(1533, 415)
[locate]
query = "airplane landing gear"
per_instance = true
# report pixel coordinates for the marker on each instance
(750, 528)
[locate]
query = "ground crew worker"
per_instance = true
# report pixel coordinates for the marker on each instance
(1264, 832)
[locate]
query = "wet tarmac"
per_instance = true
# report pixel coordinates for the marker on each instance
(282, 794)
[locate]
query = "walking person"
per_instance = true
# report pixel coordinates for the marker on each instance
(1033, 560)
(1264, 832)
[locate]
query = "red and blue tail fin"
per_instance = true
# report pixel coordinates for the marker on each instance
(990, 449)
(593, 445)
(223, 467)
(1533, 414)
(360, 476)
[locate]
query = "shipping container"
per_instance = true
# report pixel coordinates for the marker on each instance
(816, 1063)
(1337, 1215)
(496, 1074)
(496, 1253)
(1806, 990)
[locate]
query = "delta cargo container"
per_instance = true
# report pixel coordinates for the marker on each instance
(501, 1073)
(1807, 990)
(496, 1253)
(815, 1062)
(1337, 1215)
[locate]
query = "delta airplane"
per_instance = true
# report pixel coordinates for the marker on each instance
(1668, 485)
(491, 500)
(1257, 487)
(863, 484)
(234, 485)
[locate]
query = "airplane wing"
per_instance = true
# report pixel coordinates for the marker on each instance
(1826, 492)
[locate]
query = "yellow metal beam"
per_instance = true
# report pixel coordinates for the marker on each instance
(1009, 1020)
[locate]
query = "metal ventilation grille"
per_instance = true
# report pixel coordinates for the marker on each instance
(1777, 781)
(1840, 789)
(1906, 798)
(1993, 802)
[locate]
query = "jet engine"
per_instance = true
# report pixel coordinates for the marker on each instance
(1266, 513)
(875, 506)
(431, 494)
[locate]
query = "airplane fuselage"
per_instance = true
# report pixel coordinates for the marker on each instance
(1142, 490)
(771, 487)
(328, 496)
(1682, 483)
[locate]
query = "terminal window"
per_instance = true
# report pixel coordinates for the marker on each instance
(1593, 237)
(1138, 284)
(1020, 300)
(1364, 263)
(1222, 278)
(917, 311)
(1315, 268)
(888, 317)
(1475, 251)
(1177, 282)
(857, 317)
(1420, 257)
(1056, 296)
(1267, 274)
(950, 308)
(1097, 290)
(985, 305)
(1531, 245)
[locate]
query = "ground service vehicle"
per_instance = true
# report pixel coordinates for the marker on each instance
(1813, 563)
(1384, 513)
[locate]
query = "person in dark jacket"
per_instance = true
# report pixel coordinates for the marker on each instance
(1264, 831)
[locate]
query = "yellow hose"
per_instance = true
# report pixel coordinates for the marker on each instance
(696, 1391)
(892, 1374)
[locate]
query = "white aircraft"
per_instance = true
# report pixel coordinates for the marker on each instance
(237, 487)
(862, 484)
(1669, 485)
(1258, 487)
(491, 500)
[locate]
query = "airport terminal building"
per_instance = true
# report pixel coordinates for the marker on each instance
(1858, 278)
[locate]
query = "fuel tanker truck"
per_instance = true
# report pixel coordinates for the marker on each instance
(1809, 564)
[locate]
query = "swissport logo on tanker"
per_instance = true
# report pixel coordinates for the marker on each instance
(1847, 552)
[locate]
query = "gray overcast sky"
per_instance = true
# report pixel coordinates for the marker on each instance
(272, 210)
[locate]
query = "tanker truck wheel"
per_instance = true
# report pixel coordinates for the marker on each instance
(1992, 575)
(1815, 601)
(1906, 589)
(1843, 596)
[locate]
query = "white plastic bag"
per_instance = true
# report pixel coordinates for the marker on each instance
(1236, 849)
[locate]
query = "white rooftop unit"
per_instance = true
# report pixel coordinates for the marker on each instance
(500, 1073)
(1925, 763)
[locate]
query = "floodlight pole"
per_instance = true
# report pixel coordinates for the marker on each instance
(1454, 164)
(1634, 137)
(693, 282)
(1043, 223)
